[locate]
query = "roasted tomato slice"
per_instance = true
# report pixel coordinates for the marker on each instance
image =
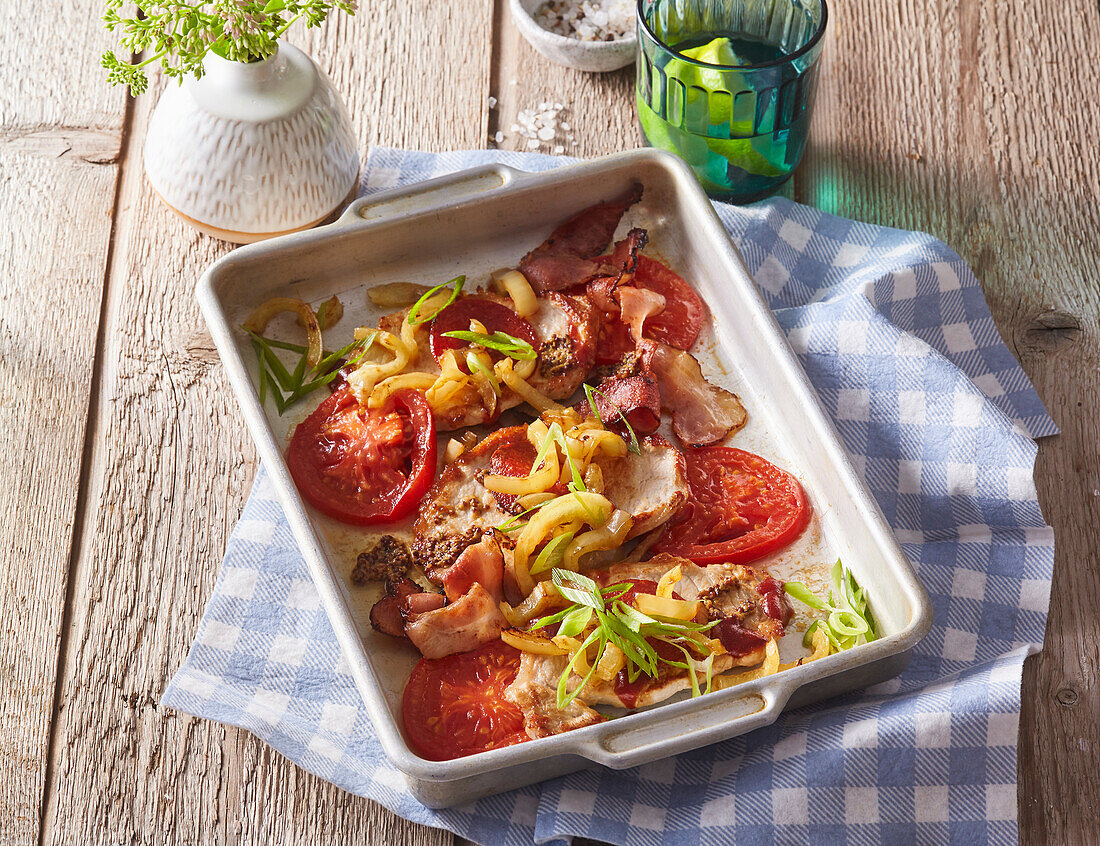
(682, 320)
(455, 706)
(615, 340)
(741, 508)
(514, 457)
(365, 466)
(678, 325)
(494, 316)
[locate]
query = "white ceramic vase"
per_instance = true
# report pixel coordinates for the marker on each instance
(253, 150)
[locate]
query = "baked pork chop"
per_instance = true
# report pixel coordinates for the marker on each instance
(459, 509)
(565, 329)
(739, 598)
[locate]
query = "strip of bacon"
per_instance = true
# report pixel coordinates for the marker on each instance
(461, 626)
(702, 413)
(563, 259)
(638, 304)
(416, 605)
(481, 564)
(385, 614)
(616, 270)
(550, 272)
(635, 397)
(624, 258)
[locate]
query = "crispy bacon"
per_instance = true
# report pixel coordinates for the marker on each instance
(564, 259)
(385, 614)
(601, 293)
(461, 626)
(551, 272)
(481, 564)
(616, 270)
(635, 397)
(702, 413)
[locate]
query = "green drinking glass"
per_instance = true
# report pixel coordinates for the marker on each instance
(728, 85)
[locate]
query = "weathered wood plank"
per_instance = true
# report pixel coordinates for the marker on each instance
(49, 314)
(972, 121)
(59, 142)
(170, 467)
(598, 108)
(51, 78)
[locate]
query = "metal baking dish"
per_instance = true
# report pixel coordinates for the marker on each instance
(472, 222)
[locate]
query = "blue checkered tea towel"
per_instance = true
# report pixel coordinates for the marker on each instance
(897, 338)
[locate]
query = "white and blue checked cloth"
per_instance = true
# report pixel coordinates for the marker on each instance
(898, 340)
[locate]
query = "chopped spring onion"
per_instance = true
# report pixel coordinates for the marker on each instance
(516, 522)
(476, 364)
(288, 387)
(626, 628)
(575, 622)
(634, 447)
(414, 317)
(557, 435)
(500, 342)
(849, 622)
(552, 553)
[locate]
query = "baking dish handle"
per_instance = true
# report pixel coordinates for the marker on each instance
(733, 713)
(431, 195)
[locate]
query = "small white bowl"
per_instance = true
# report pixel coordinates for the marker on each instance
(595, 56)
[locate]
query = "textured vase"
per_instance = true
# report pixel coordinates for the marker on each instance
(252, 150)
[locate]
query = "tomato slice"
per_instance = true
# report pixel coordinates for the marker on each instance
(678, 325)
(495, 317)
(682, 320)
(514, 456)
(455, 706)
(365, 466)
(741, 508)
(615, 339)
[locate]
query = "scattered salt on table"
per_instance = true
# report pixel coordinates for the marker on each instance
(538, 125)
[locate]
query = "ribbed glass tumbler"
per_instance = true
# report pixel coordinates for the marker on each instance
(728, 85)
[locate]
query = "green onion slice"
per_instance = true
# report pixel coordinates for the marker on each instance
(287, 387)
(414, 317)
(475, 363)
(552, 554)
(634, 446)
(500, 342)
(575, 622)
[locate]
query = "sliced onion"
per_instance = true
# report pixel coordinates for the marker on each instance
(539, 644)
(396, 294)
(262, 314)
(516, 286)
(609, 536)
(668, 581)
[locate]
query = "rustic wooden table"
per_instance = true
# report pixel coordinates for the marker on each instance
(124, 462)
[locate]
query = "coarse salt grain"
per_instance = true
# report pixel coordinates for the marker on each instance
(588, 20)
(537, 126)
